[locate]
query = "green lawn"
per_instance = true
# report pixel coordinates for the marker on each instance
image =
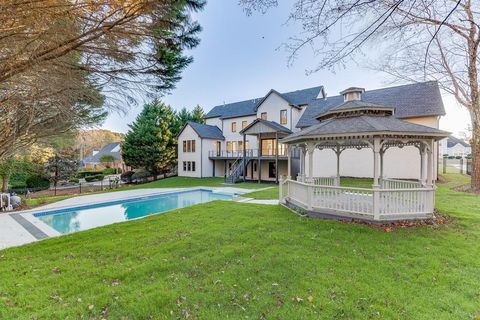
(226, 260)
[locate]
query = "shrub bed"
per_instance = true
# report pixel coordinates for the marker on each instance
(97, 177)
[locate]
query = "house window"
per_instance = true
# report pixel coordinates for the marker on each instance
(189, 166)
(229, 146)
(240, 145)
(272, 170)
(234, 127)
(244, 124)
(283, 116)
(193, 165)
(263, 115)
(255, 166)
(189, 146)
(184, 165)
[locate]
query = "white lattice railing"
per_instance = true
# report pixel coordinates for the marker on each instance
(399, 184)
(319, 181)
(405, 201)
(371, 203)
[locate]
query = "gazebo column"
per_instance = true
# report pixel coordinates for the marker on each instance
(430, 164)
(376, 162)
(382, 153)
(310, 150)
(289, 162)
(422, 150)
(338, 151)
(302, 163)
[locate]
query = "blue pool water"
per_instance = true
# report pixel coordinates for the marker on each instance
(91, 216)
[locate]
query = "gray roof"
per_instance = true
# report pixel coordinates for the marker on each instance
(411, 100)
(452, 141)
(365, 124)
(107, 150)
(272, 124)
(249, 107)
(206, 131)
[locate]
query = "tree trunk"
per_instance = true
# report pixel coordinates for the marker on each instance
(475, 144)
(5, 179)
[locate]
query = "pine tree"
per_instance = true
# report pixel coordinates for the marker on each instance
(198, 114)
(150, 142)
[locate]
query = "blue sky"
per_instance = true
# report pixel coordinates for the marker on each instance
(240, 58)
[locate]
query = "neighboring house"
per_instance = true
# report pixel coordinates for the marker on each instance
(453, 146)
(95, 160)
(257, 127)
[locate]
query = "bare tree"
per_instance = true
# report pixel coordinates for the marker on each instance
(409, 39)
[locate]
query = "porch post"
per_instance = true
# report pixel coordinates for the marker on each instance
(213, 168)
(382, 152)
(244, 164)
(289, 162)
(376, 162)
(310, 150)
(259, 164)
(430, 164)
(276, 156)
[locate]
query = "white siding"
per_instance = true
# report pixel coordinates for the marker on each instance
(189, 134)
(272, 106)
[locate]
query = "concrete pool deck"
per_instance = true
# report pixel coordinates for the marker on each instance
(21, 227)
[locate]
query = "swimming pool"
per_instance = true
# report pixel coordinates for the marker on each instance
(91, 216)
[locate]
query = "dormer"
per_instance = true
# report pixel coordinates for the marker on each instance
(352, 94)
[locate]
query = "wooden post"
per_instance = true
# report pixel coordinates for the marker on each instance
(338, 151)
(382, 153)
(213, 168)
(276, 156)
(430, 164)
(376, 162)
(376, 204)
(310, 150)
(289, 162)
(259, 165)
(244, 164)
(461, 165)
(422, 165)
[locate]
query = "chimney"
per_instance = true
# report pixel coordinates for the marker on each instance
(352, 94)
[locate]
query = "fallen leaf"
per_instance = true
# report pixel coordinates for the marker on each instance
(90, 307)
(310, 299)
(56, 270)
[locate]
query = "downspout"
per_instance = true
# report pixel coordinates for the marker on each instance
(201, 157)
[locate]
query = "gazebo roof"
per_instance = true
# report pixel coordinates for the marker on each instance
(365, 125)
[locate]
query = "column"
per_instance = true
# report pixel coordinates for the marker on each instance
(289, 162)
(244, 164)
(382, 153)
(376, 162)
(430, 164)
(276, 157)
(302, 162)
(422, 164)
(338, 151)
(259, 164)
(310, 150)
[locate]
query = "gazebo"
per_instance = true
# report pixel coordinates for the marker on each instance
(357, 124)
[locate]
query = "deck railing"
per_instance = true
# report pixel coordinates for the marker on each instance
(372, 204)
(252, 153)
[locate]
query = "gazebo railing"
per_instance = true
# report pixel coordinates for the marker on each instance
(372, 204)
(386, 183)
(319, 181)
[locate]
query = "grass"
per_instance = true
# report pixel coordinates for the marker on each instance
(230, 260)
(44, 200)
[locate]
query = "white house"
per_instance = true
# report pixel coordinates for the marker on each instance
(453, 146)
(244, 139)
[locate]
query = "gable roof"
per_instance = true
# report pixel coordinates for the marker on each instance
(109, 149)
(205, 131)
(365, 124)
(411, 100)
(272, 124)
(249, 107)
(452, 141)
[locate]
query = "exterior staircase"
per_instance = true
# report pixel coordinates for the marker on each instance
(238, 168)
